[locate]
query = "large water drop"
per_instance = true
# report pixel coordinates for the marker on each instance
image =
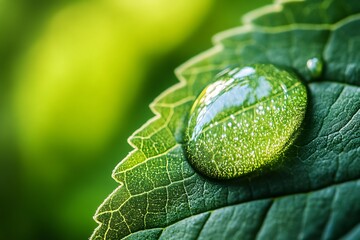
(244, 120)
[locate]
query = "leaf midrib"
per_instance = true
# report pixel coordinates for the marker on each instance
(251, 107)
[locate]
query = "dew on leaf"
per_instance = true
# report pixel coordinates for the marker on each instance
(315, 67)
(256, 110)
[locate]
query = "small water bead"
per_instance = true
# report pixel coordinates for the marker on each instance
(256, 110)
(315, 67)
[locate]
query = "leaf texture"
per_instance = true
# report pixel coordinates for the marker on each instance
(315, 193)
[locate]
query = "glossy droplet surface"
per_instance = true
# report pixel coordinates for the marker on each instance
(315, 67)
(244, 120)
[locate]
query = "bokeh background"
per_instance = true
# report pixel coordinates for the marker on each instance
(76, 79)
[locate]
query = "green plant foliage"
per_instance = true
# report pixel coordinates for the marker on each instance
(314, 194)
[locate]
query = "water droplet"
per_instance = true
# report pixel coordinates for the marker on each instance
(315, 67)
(229, 105)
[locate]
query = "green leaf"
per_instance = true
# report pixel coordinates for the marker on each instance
(314, 194)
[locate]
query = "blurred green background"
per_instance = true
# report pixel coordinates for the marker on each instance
(76, 79)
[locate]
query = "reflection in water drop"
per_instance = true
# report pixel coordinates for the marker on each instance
(315, 67)
(244, 120)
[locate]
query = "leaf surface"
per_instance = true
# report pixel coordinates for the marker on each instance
(314, 194)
